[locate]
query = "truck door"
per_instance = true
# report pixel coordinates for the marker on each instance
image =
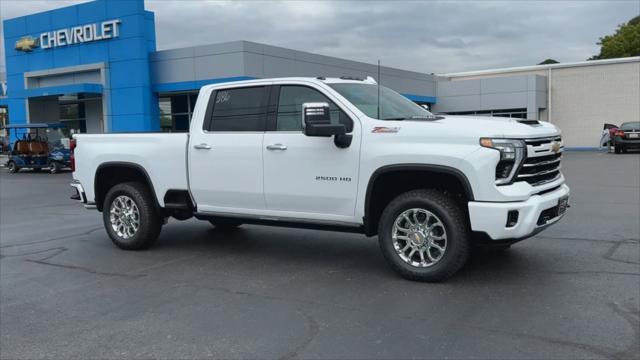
(225, 156)
(308, 177)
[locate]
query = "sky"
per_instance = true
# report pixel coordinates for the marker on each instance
(425, 36)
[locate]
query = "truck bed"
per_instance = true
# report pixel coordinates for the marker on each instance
(161, 155)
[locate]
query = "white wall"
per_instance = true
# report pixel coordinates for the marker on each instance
(585, 96)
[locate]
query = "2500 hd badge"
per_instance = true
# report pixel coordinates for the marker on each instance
(333, 178)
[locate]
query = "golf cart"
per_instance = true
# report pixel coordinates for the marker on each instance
(39, 146)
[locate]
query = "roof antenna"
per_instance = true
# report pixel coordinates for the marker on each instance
(379, 81)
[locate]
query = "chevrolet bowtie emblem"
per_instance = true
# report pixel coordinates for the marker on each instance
(555, 147)
(26, 44)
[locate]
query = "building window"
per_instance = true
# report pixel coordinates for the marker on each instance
(176, 111)
(510, 113)
(72, 114)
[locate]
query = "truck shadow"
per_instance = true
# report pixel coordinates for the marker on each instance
(340, 252)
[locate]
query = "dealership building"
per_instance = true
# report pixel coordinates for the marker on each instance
(95, 67)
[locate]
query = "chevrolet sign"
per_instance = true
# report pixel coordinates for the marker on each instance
(26, 44)
(75, 35)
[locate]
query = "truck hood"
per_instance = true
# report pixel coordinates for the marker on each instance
(479, 126)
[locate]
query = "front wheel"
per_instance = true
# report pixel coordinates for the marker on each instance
(423, 235)
(130, 217)
(13, 167)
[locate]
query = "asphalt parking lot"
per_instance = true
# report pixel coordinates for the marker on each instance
(573, 291)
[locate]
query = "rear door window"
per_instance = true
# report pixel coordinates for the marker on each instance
(238, 109)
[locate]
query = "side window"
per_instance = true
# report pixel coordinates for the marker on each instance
(290, 102)
(239, 109)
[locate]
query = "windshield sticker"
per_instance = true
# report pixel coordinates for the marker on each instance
(223, 97)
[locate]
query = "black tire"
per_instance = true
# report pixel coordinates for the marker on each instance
(150, 221)
(54, 167)
(225, 224)
(13, 167)
(452, 216)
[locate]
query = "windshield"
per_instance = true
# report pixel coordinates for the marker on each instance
(57, 138)
(635, 125)
(393, 106)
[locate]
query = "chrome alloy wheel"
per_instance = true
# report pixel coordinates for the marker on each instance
(419, 237)
(124, 217)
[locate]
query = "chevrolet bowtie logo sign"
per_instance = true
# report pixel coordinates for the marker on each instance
(555, 147)
(26, 44)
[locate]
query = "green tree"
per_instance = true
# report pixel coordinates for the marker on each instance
(624, 43)
(549, 61)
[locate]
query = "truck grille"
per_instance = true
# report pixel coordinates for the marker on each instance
(542, 162)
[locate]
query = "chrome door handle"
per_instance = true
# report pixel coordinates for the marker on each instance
(277, 147)
(202, 146)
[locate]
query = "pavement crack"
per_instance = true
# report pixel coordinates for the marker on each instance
(68, 236)
(632, 315)
(44, 261)
(603, 351)
(86, 269)
(612, 250)
(59, 250)
(312, 331)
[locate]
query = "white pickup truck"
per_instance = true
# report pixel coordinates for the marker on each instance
(338, 154)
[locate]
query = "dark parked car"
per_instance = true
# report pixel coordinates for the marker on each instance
(626, 137)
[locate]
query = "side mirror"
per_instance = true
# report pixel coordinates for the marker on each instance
(316, 121)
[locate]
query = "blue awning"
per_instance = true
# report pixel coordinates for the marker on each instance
(86, 88)
(421, 98)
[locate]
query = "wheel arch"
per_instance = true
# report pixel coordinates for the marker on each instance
(112, 173)
(409, 177)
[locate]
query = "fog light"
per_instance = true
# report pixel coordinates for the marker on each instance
(512, 218)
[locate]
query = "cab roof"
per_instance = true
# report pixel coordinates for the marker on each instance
(318, 79)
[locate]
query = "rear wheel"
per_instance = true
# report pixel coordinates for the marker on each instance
(225, 224)
(13, 167)
(130, 217)
(423, 235)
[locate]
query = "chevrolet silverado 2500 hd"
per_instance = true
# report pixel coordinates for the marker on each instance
(338, 154)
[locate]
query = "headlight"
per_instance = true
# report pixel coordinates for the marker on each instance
(511, 156)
